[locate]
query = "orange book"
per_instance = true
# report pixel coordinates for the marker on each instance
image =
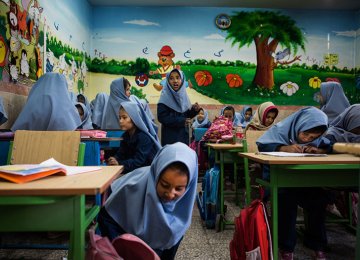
(21, 173)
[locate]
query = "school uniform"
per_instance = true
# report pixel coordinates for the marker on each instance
(314, 200)
(236, 117)
(3, 115)
(48, 106)
(99, 106)
(172, 110)
(139, 149)
(135, 207)
(334, 99)
(241, 116)
(258, 120)
(339, 130)
(86, 121)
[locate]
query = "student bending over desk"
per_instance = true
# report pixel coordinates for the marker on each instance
(154, 203)
(140, 142)
(299, 133)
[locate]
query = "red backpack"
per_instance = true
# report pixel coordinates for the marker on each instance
(252, 238)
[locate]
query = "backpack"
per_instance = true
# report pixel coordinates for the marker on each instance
(208, 199)
(252, 238)
(220, 129)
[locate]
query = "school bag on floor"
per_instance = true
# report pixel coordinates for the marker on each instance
(208, 199)
(252, 237)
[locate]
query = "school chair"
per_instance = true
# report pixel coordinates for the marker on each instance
(33, 147)
(249, 147)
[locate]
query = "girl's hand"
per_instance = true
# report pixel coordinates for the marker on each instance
(294, 148)
(112, 161)
(311, 149)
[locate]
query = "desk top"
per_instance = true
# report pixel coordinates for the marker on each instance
(89, 183)
(104, 139)
(221, 146)
(330, 159)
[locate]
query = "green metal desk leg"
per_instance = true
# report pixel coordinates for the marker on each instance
(247, 182)
(77, 235)
(222, 223)
(274, 216)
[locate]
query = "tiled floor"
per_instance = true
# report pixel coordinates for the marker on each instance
(201, 243)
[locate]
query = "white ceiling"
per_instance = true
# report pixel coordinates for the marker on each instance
(286, 4)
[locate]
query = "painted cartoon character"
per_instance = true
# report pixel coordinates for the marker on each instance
(39, 71)
(23, 29)
(14, 72)
(166, 55)
(34, 15)
(15, 44)
(12, 16)
(3, 52)
(50, 61)
(24, 64)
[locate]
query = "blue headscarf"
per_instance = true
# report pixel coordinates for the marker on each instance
(342, 125)
(241, 117)
(334, 99)
(176, 100)
(73, 97)
(286, 131)
(236, 121)
(100, 102)
(144, 110)
(86, 122)
(3, 115)
(136, 207)
(48, 106)
(117, 96)
(204, 123)
(141, 120)
(87, 103)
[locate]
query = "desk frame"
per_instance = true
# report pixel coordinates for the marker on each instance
(306, 172)
(51, 208)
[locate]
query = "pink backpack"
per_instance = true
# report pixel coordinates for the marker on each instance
(221, 128)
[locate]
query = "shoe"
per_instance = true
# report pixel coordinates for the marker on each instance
(320, 255)
(283, 255)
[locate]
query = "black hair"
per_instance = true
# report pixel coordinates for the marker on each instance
(317, 129)
(126, 83)
(200, 110)
(249, 109)
(180, 167)
(229, 108)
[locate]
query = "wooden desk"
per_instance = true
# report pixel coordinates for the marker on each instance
(220, 152)
(336, 170)
(55, 203)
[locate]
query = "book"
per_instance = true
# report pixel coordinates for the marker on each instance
(284, 154)
(21, 173)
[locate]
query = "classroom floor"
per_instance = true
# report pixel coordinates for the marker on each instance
(199, 243)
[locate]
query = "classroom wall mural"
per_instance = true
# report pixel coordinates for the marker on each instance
(229, 55)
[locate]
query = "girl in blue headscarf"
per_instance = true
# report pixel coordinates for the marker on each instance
(175, 110)
(346, 127)
(48, 106)
(299, 133)
(245, 116)
(201, 120)
(140, 142)
(3, 115)
(99, 106)
(84, 116)
(155, 202)
(332, 99)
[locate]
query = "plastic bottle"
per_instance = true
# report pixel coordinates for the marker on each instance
(239, 134)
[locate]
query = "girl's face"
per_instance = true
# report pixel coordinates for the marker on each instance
(127, 90)
(171, 185)
(306, 137)
(175, 80)
(269, 119)
(248, 115)
(81, 112)
(229, 115)
(201, 116)
(125, 122)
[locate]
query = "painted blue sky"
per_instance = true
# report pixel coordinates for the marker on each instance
(131, 32)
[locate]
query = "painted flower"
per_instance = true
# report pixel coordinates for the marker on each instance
(234, 80)
(203, 78)
(332, 79)
(314, 82)
(289, 88)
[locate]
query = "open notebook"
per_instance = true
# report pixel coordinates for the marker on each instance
(21, 173)
(284, 154)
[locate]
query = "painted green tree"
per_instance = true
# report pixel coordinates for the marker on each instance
(267, 30)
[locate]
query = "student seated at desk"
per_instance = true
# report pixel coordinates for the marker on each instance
(229, 113)
(299, 133)
(48, 106)
(140, 143)
(98, 111)
(245, 116)
(155, 202)
(264, 117)
(84, 116)
(3, 115)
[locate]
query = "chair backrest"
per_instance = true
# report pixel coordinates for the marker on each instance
(32, 147)
(251, 137)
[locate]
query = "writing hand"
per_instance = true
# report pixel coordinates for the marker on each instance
(112, 161)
